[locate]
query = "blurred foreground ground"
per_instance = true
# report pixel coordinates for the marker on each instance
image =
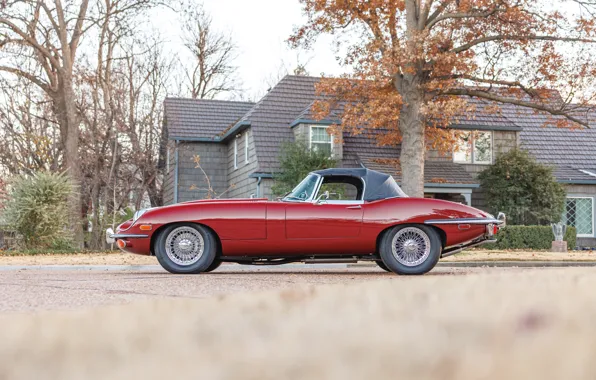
(469, 324)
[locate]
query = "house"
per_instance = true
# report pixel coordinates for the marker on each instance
(232, 148)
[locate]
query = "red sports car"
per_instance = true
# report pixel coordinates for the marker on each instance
(333, 215)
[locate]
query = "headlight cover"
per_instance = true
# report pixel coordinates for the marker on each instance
(138, 214)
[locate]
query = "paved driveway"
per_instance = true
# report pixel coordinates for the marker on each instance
(28, 288)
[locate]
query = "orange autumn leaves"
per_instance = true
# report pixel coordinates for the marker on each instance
(502, 51)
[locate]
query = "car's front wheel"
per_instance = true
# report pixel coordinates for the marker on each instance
(186, 248)
(410, 249)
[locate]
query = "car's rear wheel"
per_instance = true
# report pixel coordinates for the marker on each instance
(186, 248)
(410, 249)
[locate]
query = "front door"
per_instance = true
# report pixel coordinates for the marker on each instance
(325, 220)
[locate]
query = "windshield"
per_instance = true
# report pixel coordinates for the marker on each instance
(305, 190)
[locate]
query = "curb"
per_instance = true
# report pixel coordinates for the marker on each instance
(502, 264)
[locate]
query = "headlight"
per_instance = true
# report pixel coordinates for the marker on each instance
(138, 214)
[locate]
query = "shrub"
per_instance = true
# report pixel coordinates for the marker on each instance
(524, 189)
(37, 210)
(296, 161)
(530, 237)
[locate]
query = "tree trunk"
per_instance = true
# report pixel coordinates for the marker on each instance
(411, 127)
(67, 114)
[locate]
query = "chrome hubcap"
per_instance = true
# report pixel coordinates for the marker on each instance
(185, 246)
(411, 246)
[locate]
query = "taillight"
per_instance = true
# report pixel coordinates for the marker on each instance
(495, 229)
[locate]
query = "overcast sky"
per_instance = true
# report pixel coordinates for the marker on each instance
(260, 28)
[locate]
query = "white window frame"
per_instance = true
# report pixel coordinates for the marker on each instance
(310, 137)
(473, 155)
(593, 221)
(236, 153)
(246, 147)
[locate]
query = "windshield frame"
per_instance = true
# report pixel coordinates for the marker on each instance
(290, 198)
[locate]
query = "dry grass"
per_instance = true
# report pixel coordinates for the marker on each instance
(517, 255)
(118, 258)
(523, 325)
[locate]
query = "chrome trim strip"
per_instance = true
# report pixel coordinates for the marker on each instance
(464, 221)
(128, 236)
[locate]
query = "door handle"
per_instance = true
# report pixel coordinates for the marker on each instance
(354, 207)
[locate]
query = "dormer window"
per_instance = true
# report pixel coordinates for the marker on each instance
(320, 140)
(474, 147)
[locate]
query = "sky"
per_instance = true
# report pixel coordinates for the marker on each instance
(260, 28)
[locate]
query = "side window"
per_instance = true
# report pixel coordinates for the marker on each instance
(342, 188)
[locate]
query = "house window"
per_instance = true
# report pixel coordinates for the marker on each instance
(320, 140)
(246, 147)
(579, 213)
(474, 148)
(236, 153)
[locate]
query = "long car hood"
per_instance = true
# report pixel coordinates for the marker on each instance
(225, 200)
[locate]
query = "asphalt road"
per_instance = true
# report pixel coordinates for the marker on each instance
(35, 288)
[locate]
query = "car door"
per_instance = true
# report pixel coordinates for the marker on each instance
(324, 220)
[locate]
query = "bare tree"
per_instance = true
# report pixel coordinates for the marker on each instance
(30, 135)
(212, 71)
(49, 32)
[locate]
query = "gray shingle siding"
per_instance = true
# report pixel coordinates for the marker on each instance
(168, 183)
(192, 183)
(239, 183)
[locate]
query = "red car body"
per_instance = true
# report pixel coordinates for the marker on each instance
(262, 228)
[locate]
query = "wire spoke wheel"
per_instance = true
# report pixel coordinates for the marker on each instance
(411, 246)
(184, 246)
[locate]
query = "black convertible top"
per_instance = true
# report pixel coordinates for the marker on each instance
(377, 185)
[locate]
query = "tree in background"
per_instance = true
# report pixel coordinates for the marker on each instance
(416, 63)
(295, 162)
(525, 190)
(37, 210)
(212, 70)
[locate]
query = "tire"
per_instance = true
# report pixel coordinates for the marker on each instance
(184, 255)
(382, 265)
(214, 265)
(410, 249)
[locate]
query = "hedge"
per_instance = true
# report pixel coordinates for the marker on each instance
(530, 237)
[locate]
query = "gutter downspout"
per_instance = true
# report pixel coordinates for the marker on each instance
(259, 186)
(176, 173)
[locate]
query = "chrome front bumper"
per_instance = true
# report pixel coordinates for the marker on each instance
(111, 237)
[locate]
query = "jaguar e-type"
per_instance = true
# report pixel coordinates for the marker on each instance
(333, 215)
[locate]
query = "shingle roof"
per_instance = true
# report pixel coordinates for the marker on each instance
(439, 172)
(201, 118)
(271, 117)
(568, 150)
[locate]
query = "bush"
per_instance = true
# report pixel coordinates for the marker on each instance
(296, 161)
(37, 210)
(524, 189)
(530, 237)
